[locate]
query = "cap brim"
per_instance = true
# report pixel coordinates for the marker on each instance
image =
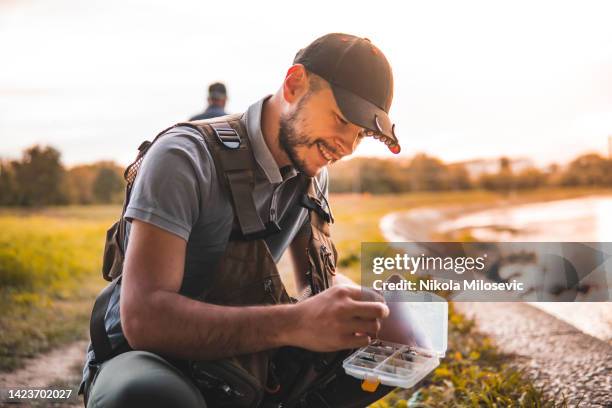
(367, 115)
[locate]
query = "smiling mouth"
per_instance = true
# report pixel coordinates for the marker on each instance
(326, 153)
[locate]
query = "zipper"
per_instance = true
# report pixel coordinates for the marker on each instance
(269, 288)
(309, 274)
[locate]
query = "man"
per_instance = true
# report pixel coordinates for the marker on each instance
(338, 90)
(217, 97)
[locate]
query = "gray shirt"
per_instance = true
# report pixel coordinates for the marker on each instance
(177, 189)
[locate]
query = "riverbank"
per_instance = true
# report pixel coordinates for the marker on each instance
(475, 371)
(580, 372)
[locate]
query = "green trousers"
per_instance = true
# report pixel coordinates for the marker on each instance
(144, 379)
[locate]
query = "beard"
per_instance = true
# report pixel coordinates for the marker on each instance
(290, 138)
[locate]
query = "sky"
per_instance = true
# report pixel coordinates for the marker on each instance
(472, 79)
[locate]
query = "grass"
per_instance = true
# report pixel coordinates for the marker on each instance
(49, 273)
(474, 373)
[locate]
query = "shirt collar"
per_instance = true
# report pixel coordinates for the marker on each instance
(261, 151)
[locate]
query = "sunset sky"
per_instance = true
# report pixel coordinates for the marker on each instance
(472, 79)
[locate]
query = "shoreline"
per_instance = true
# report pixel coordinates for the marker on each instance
(422, 223)
(531, 333)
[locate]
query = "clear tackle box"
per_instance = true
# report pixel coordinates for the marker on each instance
(411, 342)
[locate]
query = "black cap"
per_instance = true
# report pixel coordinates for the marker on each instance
(217, 91)
(361, 80)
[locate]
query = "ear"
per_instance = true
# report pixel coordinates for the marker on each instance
(295, 84)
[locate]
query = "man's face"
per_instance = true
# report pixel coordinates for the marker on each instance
(315, 133)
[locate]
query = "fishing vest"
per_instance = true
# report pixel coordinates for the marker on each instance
(246, 274)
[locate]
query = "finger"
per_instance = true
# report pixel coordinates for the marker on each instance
(364, 294)
(370, 327)
(371, 295)
(369, 310)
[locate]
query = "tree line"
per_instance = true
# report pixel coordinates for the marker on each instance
(39, 178)
(427, 173)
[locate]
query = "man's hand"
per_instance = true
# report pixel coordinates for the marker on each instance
(341, 317)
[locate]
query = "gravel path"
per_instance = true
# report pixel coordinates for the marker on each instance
(552, 352)
(57, 369)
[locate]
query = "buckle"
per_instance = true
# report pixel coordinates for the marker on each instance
(309, 203)
(272, 227)
(226, 135)
(144, 145)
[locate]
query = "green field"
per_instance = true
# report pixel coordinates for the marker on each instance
(50, 273)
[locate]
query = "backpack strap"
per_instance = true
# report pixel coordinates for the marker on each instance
(97, 329)
(231, 150)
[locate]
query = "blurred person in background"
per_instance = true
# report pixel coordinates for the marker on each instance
(217, 97)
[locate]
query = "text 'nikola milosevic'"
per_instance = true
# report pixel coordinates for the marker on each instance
(424, 265)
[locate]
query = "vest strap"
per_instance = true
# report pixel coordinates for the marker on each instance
(307, 202)
(241, 185)
(226, 135)
(236, 166)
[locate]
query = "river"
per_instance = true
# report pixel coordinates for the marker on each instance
(586, 219)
